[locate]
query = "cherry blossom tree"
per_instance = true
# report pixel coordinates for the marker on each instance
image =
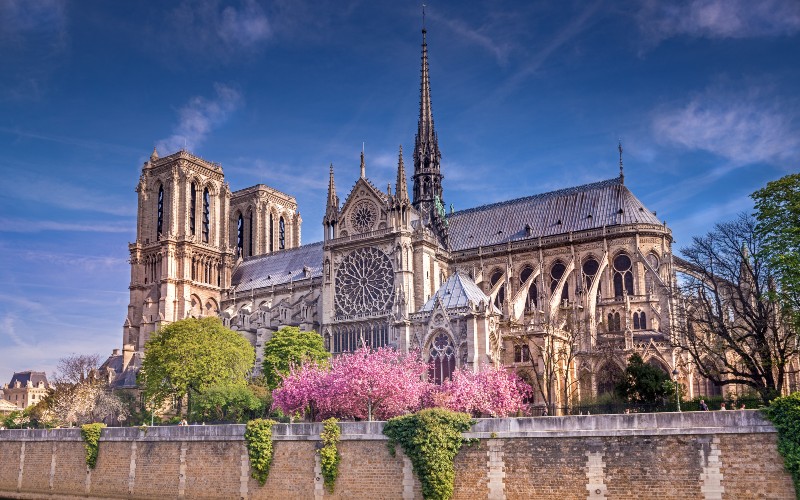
(490, 392)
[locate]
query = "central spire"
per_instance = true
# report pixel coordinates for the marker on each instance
(427, 157)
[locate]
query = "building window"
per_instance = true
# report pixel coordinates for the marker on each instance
(160, 223)
(192, 208)
(281, 234)
(556, 272)
(623, 275)
(500, 298)
(614, 323)
(522, 353)
(532, 301)
(206, 215)
(639, 321)
(239, 236)
(250, 235)
(650, 280)
(442, 359)
(271, 233)
(590, 268)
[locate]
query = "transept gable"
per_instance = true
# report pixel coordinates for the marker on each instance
(365, 209)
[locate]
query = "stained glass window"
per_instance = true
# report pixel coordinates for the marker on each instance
(442, 359)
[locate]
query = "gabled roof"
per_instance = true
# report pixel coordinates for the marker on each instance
(8, 406)
(278, 268)
(457, 292)
(24, 377)
(577, 208)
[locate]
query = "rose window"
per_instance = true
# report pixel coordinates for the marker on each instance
(365, 283)
(363, 216)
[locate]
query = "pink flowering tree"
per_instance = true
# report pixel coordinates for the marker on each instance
(383, 383)
(490, 392)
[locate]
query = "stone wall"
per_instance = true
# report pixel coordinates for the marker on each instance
(729, 454)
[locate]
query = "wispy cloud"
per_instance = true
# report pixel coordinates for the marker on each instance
(719, 18)
(478, 36)
(63, 194)
(199, 117)
(33, 41)
(12, 225)
(86, 263)
(744, 128)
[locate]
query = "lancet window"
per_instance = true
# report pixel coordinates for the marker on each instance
(500, 298)
(281, 234)
(639, 320)
(206, 215)
(349, 337)
(532, 300)
(556, 272)
(250, 235)
(623, 275)
(649, 279)
(160, 214)
(441, 358)
(240, 236)
(614, 322)
(192, 208)
(271, 233)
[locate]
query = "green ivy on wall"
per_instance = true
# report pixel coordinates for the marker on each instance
(258, 436)
(91, 440)
(329, 453)
(785, 415)
(431, 439)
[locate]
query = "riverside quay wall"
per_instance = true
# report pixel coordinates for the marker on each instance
(729, 454)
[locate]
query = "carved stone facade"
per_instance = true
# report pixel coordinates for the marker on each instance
(588, 267)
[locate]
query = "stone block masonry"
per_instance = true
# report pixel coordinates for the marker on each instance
(704, 455)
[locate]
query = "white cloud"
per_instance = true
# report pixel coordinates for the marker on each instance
(199, 117)
(10, 225)
(719, 18)
(743, 128)
(244, 27)
(500, 50)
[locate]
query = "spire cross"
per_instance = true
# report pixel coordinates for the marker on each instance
(619, 147)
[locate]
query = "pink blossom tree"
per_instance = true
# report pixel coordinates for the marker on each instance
(301, 390)
(489, 392)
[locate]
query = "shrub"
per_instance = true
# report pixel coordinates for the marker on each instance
(329, 453)
(785, 415)
(431, 439)
(91, 440)
(258, 436)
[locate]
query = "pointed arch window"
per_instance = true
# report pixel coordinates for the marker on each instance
(281, 234)
(623, 275)
(556, 272)
(239, 236)
(590, 268)
(206, 215)
(532, 300)
(650, 280)
(500, 298)
(271, 233)
(250, 235)
(639, 321)
(192, 208)
(160, 212)
(614, 322)
(442, 359)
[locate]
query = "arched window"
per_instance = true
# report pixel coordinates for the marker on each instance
(532, 301)
(206, 215)
(281, 234)
(271, 233)
(614, 323)
(239, 236)
(160, 223)
(442, 359)
(250, 235)
(192, 208)
(636, 321)
(500, 298)
(556, 272)
(623, 275)
(643, 321)
(649, 279)
(522, 353)
(590, 268)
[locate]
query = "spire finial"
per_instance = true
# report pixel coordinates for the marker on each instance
(154, 155)
(621, 172)
(423, 19)
(401, 188)
(363, 166)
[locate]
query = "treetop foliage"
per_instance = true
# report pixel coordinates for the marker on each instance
(194, 354)
(291, 347)
(643, 383)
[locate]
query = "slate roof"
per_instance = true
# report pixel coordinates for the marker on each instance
(547, 214)
(24, 377)
(457, 292)
(278, 268)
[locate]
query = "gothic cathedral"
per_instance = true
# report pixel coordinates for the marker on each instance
(586, 271)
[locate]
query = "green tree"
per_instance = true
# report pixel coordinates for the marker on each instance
(778, 216)
(643, 383)
(290, 347)
(187, 357)
(226, 403)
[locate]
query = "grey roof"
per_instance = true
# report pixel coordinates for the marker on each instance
(278, 268)
(548, 214)
(24, 377)
(457, 292)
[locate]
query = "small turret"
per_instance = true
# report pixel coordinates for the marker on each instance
(332, 209)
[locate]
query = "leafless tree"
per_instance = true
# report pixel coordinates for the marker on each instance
(732, 327)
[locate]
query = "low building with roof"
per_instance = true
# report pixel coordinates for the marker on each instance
(26, 388)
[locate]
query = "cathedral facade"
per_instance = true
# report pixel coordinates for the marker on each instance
(572, 281)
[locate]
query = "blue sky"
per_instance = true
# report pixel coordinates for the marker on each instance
(527, 97)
